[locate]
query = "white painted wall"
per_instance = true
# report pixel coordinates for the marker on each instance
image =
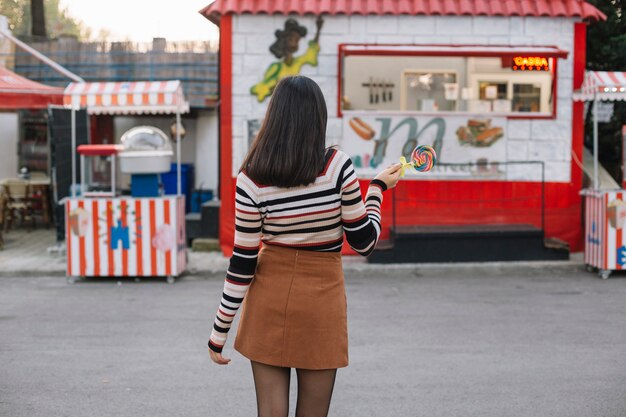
(6, 47)
(9, 134)
(546, 140)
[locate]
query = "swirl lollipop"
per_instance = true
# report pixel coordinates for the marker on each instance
(423, 159)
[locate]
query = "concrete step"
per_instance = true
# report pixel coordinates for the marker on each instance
(432, 244)
(206, 245)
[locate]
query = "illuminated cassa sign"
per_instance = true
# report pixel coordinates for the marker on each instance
(530, 63)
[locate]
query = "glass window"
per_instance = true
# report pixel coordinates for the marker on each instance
(492, 90)
(429, 90)
(526, 97)
(495, 84)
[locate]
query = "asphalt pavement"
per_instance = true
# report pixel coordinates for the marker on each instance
(524, 342)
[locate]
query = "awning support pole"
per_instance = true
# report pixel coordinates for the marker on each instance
(113, 178)
(73, 189)
(178, 180)
(595, 140)
(58, 68)
(83, 186)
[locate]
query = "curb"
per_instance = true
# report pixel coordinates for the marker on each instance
(360, 266)
(31, 273)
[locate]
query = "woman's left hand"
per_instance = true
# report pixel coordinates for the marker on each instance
(218, 358)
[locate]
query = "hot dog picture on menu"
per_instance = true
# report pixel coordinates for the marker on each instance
(479, 133)
(365, 131)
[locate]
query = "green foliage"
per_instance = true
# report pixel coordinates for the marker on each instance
(606, 40)
(606, 51)
(58, 20)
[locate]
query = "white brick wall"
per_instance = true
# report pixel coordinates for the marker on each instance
(519, 129)
(547, 140)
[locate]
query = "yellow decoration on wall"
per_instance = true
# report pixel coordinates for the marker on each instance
(287, 42)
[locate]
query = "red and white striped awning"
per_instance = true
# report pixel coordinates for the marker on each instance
(602, 85)
(142, 97)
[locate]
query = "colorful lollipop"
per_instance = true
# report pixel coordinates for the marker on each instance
(423, 159)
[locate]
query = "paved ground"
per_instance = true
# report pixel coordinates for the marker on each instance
(423, 342)
(36, 252)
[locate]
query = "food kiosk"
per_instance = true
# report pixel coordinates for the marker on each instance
(488, 84)
(605, 210)
(108, 234)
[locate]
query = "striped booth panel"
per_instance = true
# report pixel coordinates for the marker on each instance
(125, 237)
(605, 238)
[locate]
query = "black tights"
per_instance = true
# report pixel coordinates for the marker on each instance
(315, 388)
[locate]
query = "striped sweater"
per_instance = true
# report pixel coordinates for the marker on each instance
(312, 217)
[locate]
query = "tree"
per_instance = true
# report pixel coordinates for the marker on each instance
(57, 20)
(38, 18)
(606, 46)
(14, 11)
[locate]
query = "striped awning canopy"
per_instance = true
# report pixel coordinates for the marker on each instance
(602, 85)
(142, 97)
(17, 92)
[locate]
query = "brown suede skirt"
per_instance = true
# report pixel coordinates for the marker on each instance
(295, 313)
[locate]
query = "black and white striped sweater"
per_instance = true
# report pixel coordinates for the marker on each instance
(312, 217)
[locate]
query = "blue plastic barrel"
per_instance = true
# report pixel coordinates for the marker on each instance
(198, 197)
(168, 180)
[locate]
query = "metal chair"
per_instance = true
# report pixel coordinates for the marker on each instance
(39, 196)
(18, 202)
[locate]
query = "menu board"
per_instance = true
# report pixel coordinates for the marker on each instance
(466, 146)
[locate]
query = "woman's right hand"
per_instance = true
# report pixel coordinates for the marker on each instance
(218, 358)
(390, 175)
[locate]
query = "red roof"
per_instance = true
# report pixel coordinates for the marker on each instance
(17, 92)
(551, 8)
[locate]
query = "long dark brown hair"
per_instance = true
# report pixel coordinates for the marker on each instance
(289, 149)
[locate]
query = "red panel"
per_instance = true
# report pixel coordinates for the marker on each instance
(109, 214)
(565, 8)
(17, 92)
(468, 202)
(95, 221)
(578, 128)
(12, 101)
(227, 186)
(123, 209)
(477, 202)
(139, 238)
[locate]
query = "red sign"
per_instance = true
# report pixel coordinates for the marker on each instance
(530, 63)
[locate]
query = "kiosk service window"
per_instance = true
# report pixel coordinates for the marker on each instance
(520, 86)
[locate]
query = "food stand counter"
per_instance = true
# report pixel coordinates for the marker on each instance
(127, 236)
